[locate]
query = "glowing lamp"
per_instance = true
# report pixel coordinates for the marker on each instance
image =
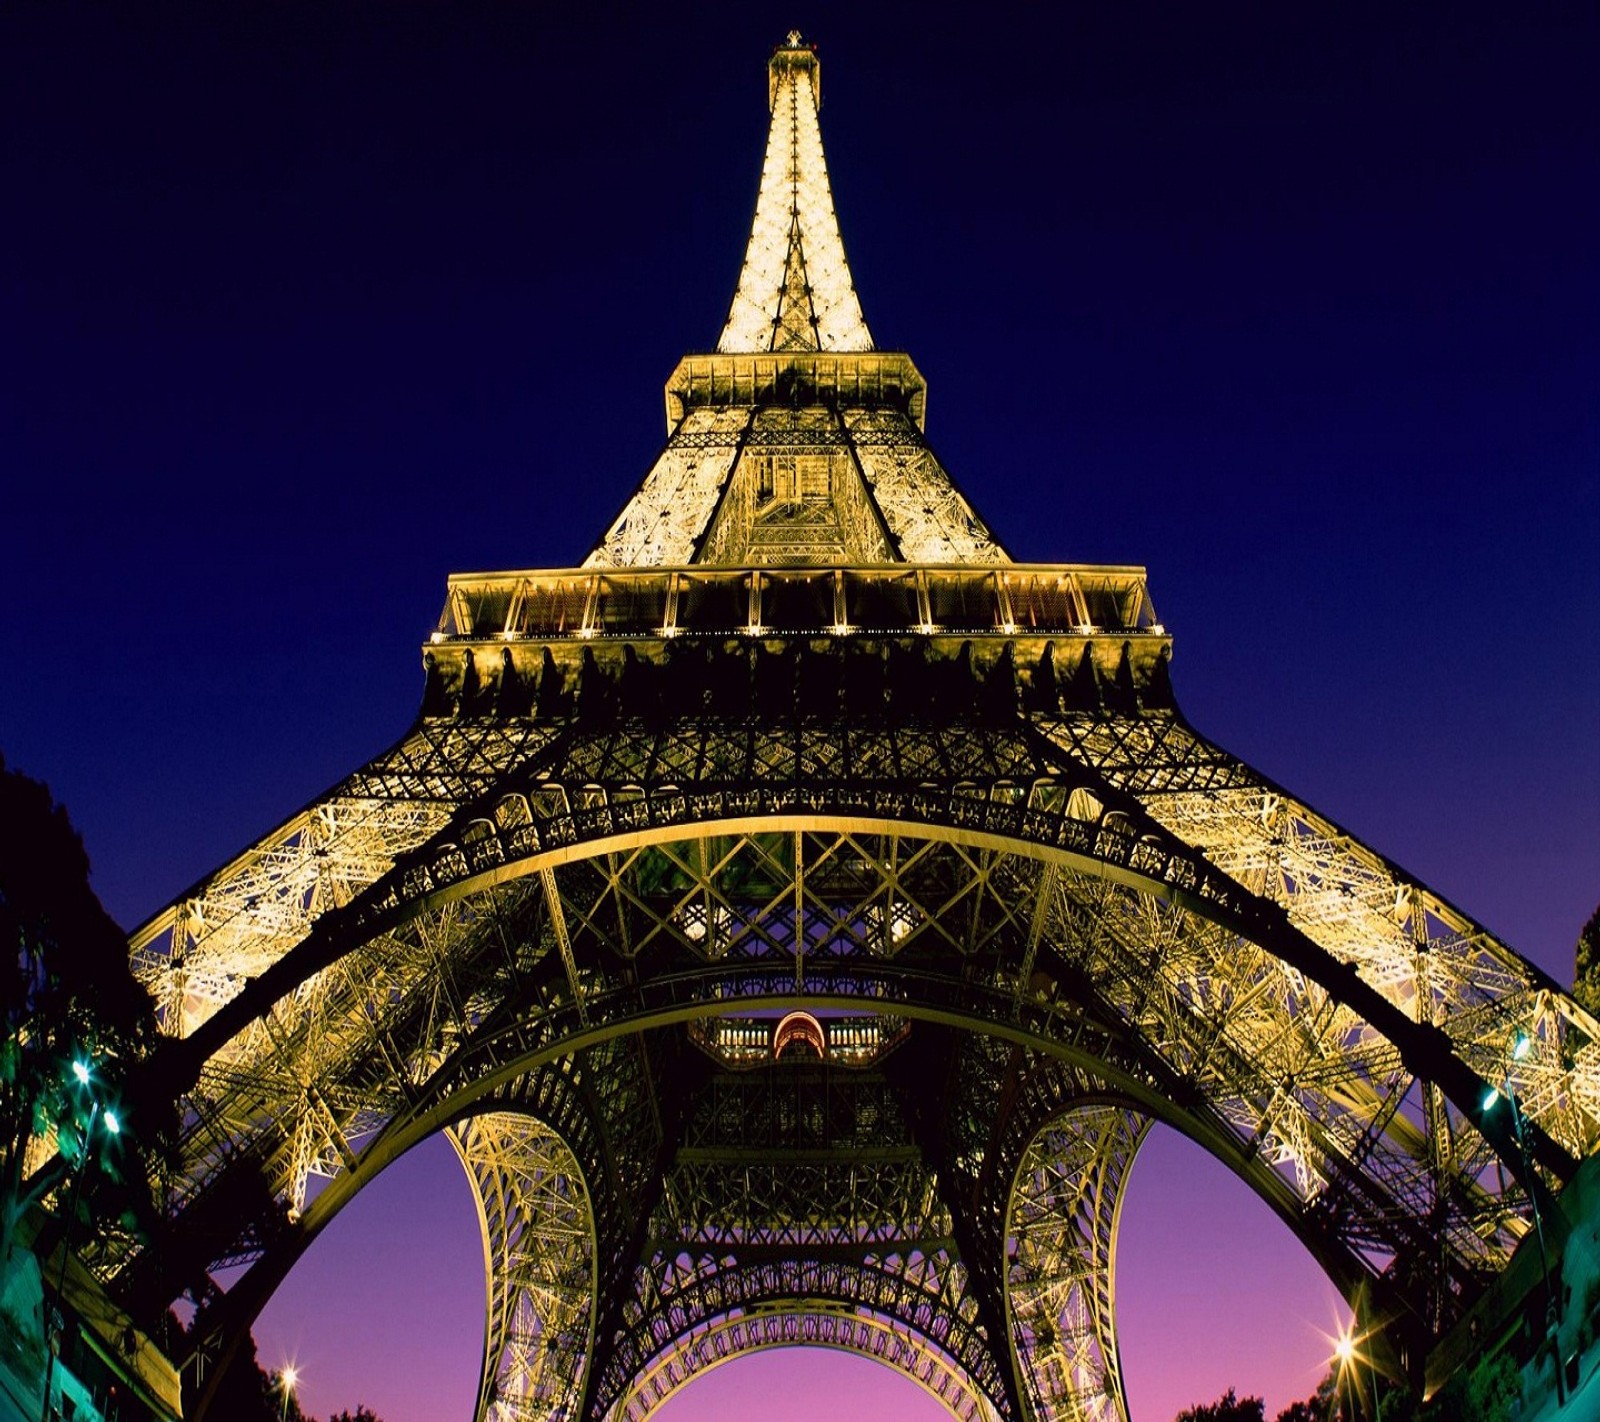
(803, 1030)
(1521, 1045)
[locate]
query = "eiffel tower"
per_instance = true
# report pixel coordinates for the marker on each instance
(797, 916)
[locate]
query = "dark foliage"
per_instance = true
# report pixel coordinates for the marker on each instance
(1227, 1408)
(248, 1393)
(66, 993)
(1488, 1393)
(1586, 978)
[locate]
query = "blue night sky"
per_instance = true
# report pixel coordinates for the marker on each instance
(304, 307)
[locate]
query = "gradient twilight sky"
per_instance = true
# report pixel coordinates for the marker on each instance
(304, 307)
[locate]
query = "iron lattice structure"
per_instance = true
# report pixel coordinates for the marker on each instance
(800, 738)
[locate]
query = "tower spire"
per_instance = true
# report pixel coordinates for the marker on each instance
(795, 292)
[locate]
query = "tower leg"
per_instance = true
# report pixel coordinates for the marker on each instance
(538, 1234)
(1061, 1252)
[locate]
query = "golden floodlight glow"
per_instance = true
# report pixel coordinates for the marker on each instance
(795, 231)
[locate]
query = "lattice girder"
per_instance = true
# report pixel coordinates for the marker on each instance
(909, 1313)
(860, 482)
(967, 905)
(1035, 1152)
(798, 1191)
(539, 1254)
(1061, 1246)
(794, 289)
(622, 868)
(846, 1330)
(1039, 805)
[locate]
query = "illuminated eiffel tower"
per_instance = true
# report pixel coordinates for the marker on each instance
(797, 916)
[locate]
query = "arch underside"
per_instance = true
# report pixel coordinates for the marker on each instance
(863, 1334)
(802, 1210)
(855, 1313)
(539, 1261)
(1060, 1261)
(1102, 894)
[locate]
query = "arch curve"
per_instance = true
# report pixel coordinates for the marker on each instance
(862, 1334)
(1052, 910)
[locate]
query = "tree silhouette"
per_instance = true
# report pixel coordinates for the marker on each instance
(1227, 1408)
(66, 994)
(1586, 980)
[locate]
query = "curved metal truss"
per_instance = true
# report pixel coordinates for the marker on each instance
(999, 882)
(539, 1257)
(800, 1191)
(1061, 1248)
(810, 1324)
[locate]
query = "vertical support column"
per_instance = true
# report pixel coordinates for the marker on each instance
(539, 1252)
(1061, 1233)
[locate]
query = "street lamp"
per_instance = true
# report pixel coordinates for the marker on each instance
(82, 1072)
(288, 1376)
(1346, 1358)
(1521, 1046)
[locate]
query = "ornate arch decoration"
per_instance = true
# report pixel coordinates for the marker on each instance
(1121, 841)
(799, 1029)
(843, 1329)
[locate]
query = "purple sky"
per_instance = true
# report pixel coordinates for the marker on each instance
(304, 307)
